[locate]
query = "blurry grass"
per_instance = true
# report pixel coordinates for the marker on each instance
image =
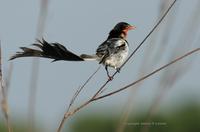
(18, 126)
(34, 77)
(152, 57)
(148, 63)
(173, 74)
(4, 98)
(185, 119)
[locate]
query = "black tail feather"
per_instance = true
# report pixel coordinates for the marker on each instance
(54, 51)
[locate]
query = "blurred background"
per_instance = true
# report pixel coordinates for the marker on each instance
(38, 92)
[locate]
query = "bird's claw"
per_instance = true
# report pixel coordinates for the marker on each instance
(118, 70)
(110, 78)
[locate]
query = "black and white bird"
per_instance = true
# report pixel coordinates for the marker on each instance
(111, 53)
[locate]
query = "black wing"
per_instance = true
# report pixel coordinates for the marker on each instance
(54, 51)
(109, 47)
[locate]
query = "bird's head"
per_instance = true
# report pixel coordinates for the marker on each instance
(120, 30)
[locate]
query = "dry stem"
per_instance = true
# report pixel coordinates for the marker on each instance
(35, 66)
(4, 102)
(95, 97)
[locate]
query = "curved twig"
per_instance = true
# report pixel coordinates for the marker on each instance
(148, 75)
(137, 48)
(67, 115)
(95, 96)
(81, 88)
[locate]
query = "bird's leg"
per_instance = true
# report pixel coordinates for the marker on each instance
(109, 77)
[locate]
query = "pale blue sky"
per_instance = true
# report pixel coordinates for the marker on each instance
(81, 26)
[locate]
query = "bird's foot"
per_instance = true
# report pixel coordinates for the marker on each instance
(110, 78)
(118, 70)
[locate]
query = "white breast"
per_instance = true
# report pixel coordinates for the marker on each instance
(118, 58)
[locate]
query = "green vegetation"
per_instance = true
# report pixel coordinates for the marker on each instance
(184, 120)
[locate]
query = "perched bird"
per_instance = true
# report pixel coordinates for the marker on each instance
(111, 53)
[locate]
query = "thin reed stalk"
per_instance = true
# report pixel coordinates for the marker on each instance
(170, 77)
(81, 88)
(147, 61)
(102, 88)
(35, 66)
(4, 101)
(95, 98)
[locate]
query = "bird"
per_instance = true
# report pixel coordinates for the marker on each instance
(111, 53)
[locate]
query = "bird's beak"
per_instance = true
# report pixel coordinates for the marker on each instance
(131, 27)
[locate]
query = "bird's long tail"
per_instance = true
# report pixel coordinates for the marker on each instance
(54, 51)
